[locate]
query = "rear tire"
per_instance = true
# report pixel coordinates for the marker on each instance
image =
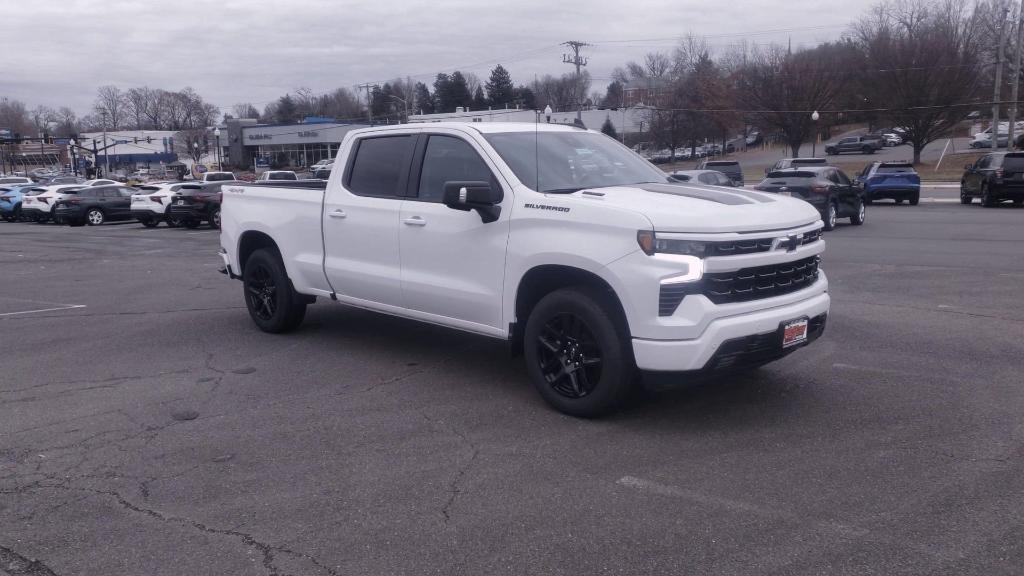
(578, 354)
(94, 217)
(273, 304)
(860, 215)
(899, 200)
(172, 222)
(915, 199)
(215, 218)
(150, 222)
(965, 198)
(829, 217)
(987, 200)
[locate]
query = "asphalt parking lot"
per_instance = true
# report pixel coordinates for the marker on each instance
(146, 427)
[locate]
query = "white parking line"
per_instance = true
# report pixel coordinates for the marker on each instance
(66, 307)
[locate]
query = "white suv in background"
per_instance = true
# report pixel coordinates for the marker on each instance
(149, 206)
(39, 207)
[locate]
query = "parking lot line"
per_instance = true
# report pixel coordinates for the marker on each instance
(65, 307)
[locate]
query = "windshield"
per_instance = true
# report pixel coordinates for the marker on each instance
(220, 176)
(894, 168)
(571, 161)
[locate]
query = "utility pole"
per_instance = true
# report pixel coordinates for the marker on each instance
(579, 62)
(1016, 76)
(106, 155)
(369, 106)
(1001, 22)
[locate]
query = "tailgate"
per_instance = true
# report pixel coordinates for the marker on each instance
(896, 179)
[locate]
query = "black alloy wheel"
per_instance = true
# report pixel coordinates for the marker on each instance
(569, 356)
(273, 304)
(578, 351)
(829, 217)
(261, 292)
(215, 218)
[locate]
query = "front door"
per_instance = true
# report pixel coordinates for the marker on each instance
(360, 221)
(453, 264)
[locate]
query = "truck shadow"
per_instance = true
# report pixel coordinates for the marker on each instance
(468, 366)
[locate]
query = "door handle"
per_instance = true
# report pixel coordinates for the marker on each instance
(338, 214)
(415, 221)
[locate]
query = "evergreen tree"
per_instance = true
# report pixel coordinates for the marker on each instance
(524, 97)
(424, 101)
(443, 101)
(479, 101)
(286, 111)
(613, 96)
(609, 128)
(500, 90)
(459, 91)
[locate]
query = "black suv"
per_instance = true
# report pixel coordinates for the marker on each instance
(730, 168)
(96, 205)
(194, 203)
(825, 187)
(994, 177)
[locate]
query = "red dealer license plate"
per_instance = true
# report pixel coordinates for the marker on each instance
(794, 332)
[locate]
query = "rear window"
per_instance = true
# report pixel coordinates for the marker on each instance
(1013, 162)
(378, 165)
(894, 168)
(219, 177)
(280, 176)
(723, 163)
(808, 161)
(791, 175)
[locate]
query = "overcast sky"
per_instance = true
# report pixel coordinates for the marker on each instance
(57, 52)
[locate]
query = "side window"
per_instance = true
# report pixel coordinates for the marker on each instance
(125, 192)
(833, 177)
(847, 141)
(450, 159)
(378, 165)
(842, 178)
(110, 193)
(724, 180)
(984, 162)
(707, 178)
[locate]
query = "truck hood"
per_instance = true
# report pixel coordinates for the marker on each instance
(704, 209)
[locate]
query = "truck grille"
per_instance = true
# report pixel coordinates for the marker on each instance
(743, 285)
(739, 247)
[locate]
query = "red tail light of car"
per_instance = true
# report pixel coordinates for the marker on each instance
(819, 189)
(157, 199)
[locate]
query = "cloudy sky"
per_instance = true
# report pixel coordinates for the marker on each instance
(57, 52)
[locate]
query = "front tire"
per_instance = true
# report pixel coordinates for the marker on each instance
(578, 354)
(273, 304)
(172, 222)
(965, 198)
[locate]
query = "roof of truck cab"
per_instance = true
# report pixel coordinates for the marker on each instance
(482, 127)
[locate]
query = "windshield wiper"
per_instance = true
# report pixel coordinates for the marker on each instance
(563, 190)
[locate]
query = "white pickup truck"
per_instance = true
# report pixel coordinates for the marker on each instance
(562, 241)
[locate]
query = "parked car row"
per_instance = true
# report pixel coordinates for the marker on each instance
(97, 202)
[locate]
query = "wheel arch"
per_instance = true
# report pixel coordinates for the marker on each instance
(543, 279)
(251, 241)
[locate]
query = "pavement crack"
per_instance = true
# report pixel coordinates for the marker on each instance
(108, 382)
(455, 484)
(17, 565)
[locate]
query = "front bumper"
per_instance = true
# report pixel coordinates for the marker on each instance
(705, 351)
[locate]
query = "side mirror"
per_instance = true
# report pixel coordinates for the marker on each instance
(474, 195)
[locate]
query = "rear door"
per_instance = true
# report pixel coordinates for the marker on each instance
(453, 264)
(121, 202)
(846, 194)
(360, 219)
(848, 144)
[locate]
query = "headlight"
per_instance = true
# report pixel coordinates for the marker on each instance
(651, 244)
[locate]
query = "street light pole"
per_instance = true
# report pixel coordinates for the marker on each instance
(216, 137)
(405, 106)
(814, 137)
(106, 152)
(74, 160)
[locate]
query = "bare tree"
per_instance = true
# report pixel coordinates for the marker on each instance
(67, 122)
(110, 103)
(192, 143)
(923, 61)
(42, 116)
(245, 110)
(781, 88)
(136, 101)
